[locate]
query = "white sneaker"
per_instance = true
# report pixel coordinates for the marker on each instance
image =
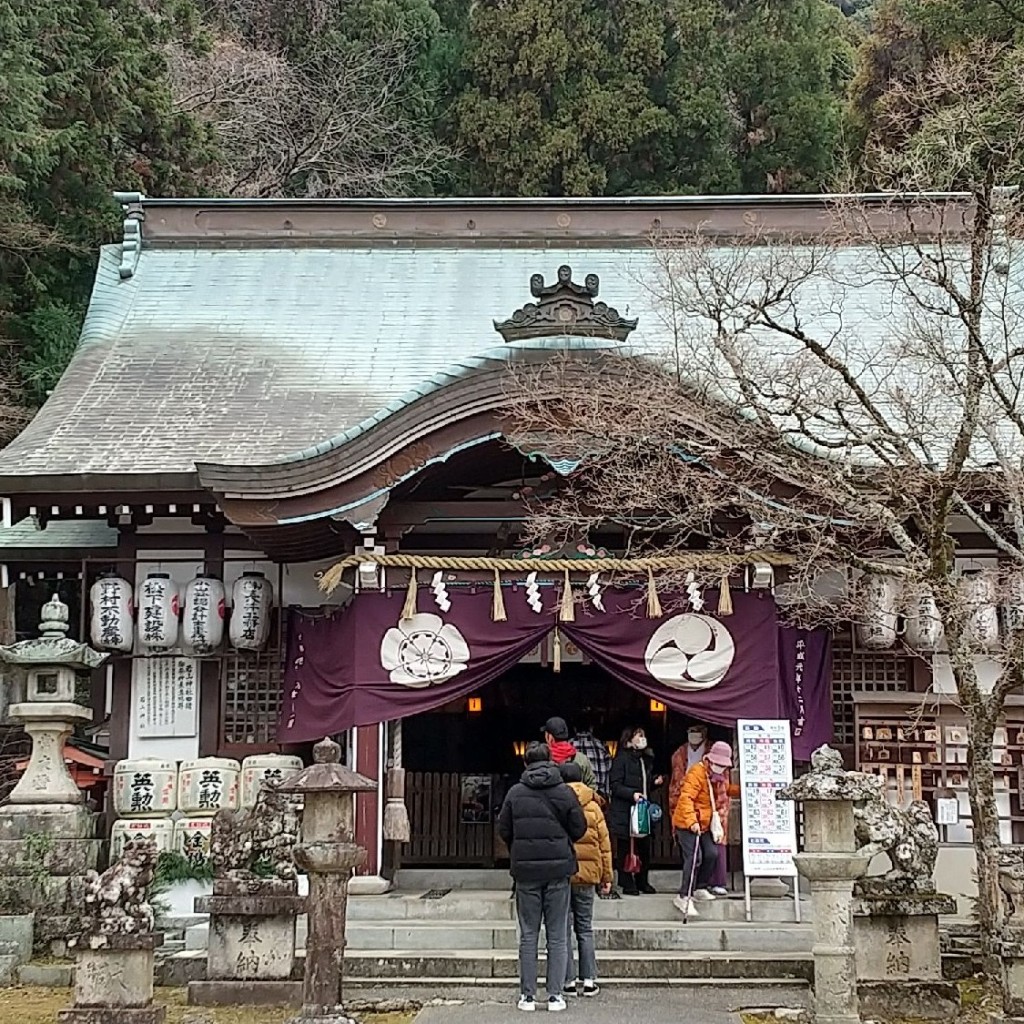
(685, 906)
(719, 890)
(527, 1004)
(703, 895)
(556, 1004)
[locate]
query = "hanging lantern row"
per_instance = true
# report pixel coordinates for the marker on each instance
(159, 617)
(884, 600)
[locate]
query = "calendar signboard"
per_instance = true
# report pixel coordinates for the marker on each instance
(769, 824)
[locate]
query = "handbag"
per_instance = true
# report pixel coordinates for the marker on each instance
(717, 829)
(640, 820)
(654, 811)
(632, 864)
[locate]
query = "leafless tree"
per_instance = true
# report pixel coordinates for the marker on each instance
(856, 399)
(317, 128)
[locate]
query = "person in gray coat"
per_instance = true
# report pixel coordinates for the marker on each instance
(539, 822)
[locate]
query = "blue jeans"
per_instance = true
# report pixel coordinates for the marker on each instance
(547, 902)
(581, 921)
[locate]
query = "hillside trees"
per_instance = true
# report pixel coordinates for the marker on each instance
(84, 108)
(631, 96)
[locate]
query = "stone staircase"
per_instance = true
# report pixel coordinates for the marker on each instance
(465, 935)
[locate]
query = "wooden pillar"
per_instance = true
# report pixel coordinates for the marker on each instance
(368, 814)
(209, 670)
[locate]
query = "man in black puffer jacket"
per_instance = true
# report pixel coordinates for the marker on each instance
(540, 821)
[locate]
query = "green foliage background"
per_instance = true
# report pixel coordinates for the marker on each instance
(607, 97)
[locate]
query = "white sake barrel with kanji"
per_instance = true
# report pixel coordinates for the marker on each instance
(192, 839)
(126, 830)
(145, 788)
(260, 768)
(208, 785)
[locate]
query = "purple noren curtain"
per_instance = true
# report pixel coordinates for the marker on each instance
(364, 665)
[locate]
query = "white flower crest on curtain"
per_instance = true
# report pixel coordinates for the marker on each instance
(423, 650)
(690, 652)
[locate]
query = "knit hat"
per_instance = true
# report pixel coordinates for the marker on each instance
(720, 755)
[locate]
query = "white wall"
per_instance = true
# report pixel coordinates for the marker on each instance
(173, 748)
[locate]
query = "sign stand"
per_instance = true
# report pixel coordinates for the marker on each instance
(769, 825)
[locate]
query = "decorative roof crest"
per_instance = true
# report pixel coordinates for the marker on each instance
(565, 308)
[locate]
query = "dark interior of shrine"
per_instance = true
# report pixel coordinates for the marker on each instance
(486, 733)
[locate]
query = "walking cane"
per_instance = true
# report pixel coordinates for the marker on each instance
(693, 877)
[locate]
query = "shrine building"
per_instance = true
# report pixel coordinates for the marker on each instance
(265, 388)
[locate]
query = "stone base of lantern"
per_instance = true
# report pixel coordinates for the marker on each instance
(899, 962)
(71, 852)
(114, 981)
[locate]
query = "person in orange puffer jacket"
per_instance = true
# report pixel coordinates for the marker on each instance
(594, 868)
(705, 788)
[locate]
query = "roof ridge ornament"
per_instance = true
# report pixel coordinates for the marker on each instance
(131, 226)
(565, 308)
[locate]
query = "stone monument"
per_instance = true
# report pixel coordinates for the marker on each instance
(115, 949)
(896, 915)
(255, 902)
(46, 801)
(327, 852)
(831, 862)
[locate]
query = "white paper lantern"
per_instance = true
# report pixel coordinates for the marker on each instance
(111, 621)
(203, 625)
(252, 597)
(924, 627)
(157, 625)
(1015, 603)
(983, 623)
(879, 600)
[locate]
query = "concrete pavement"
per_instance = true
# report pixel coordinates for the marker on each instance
(696, 1004)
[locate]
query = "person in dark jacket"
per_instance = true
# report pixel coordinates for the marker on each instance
(540, 821)
(631, 779)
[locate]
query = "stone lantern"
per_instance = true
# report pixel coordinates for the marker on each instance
(49, 714)
(46, 801)
(328, 853)
(831, 862)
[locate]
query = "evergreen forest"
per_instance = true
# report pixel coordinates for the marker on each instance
(429, 97)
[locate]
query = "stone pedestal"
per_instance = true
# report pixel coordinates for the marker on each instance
(1011, 954)
(251, 942)
(114, 981)
(899, 963)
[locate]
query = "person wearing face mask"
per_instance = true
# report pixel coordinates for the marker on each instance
(698, 824)
(631, 780)
(695, 747)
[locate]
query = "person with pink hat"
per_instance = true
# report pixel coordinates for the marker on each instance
(698, 823)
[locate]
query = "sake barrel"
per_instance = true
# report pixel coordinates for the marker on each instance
(145, 788)
(260, 768)
(192, 839)
(125, 830)
(208, 785)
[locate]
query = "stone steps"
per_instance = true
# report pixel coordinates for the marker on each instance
(461, 905)
(500, 967)
(639, 936)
